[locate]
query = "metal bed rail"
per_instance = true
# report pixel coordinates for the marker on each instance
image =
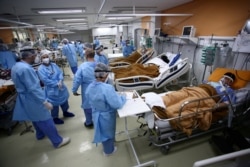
(164, 137)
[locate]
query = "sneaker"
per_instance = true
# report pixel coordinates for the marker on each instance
(88, 126)
(68, 114)
(58, 121)
(64, 142)
(106, 155)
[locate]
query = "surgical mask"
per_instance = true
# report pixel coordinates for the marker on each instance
(46, 60)
(101, 53)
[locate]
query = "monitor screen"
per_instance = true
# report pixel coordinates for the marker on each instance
(188, 31)
(157, 32)
(247, 27)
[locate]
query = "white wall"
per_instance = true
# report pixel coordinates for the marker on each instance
(104, 31)
(83, 35)
(193, 52)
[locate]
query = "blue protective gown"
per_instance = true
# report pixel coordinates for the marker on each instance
(69, 51)
(54, 44)
(84, 76)
(220, 89)
(104, 101)
(96, 42)
(30, 96)
(101, 59)
(80, 50)
(50, 76)
(127, 50)
(7, 59)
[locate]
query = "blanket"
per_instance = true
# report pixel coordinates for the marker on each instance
(150, 70)
(131, 59)
(173, 102)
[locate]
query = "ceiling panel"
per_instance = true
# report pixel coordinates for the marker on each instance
(21, 10)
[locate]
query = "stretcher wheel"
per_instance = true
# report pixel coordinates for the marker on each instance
(164, 150)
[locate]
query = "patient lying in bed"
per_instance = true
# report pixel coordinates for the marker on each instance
(170, 108)
(153, 68)
(133, 58)
(150, 70)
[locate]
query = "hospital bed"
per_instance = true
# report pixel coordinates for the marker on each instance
(168, 131)
(136, 57)
(166, 74)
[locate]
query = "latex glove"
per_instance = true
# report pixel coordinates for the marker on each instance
(48, 105)
(59, 84)
(76, 94)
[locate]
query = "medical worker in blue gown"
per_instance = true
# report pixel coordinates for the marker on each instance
(96, 42)
(100, 57)
(81, 51)
(84, 76)
(31, 103)
(128, 49)
(69, 51)
(7, 59)
(104, 101)
(55, 90)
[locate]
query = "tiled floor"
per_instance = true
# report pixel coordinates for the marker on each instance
(26, 151)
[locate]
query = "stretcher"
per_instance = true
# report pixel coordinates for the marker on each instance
(162, 133)
(166, 74)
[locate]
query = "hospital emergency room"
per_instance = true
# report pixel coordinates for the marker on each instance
(122, 83)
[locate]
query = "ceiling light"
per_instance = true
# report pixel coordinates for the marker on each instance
(39, 25)
(119, 17)
(60, 11)
(82, 26)
(145, 14)
(69, 24)
(46, 27)
(71, 19)
(61, 30)
(49, 32)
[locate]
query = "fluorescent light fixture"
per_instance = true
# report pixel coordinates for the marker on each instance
(61, 30)
(146, 14)
(46, 27)
(60, 11)
(70, 19)
(39, 25)
(51, 32)
(72, 24)
(119, 17)
(78, 26)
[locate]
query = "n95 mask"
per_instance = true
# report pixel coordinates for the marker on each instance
(46, 60)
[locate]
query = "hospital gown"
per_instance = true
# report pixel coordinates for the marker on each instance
(7, 59)
(127, 50)
(30, 96)
(80, 50)
(101, 59)
(220, 89)
(69, 51)
(50, 76)
(104, 101)
(84, 76)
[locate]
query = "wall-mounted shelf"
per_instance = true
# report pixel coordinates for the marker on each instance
(190, 40)
(163, 39)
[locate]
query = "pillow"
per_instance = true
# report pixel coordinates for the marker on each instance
(242, 76)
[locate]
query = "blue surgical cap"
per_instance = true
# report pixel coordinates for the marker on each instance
(101, 70)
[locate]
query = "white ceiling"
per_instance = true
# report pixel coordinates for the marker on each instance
(21, 10)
